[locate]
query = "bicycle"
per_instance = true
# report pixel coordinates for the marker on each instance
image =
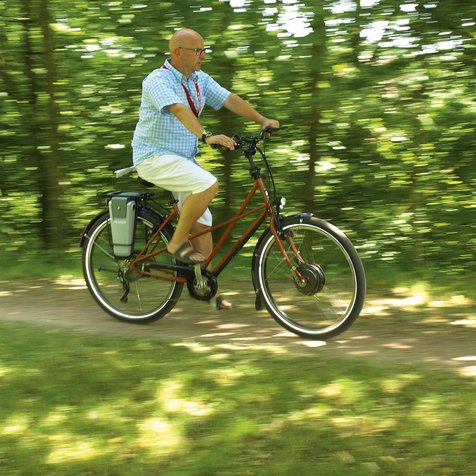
(304, 270)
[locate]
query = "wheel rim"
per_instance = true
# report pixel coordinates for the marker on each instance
(103, 273)
(326, 307)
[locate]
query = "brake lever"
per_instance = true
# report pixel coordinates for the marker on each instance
(238, 141)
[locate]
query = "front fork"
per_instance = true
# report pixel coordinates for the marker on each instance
(276, 228)
(280, 234)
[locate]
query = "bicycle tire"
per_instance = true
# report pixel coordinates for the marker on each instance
(332, 294)
(149, 298)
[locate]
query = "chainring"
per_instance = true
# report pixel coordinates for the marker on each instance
(209, 289)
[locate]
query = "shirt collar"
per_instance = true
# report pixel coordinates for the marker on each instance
(178, 75)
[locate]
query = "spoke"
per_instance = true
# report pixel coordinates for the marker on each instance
(97, 245)
(138, 295)
(102, 268)
(304, 307)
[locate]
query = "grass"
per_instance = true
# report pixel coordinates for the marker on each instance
(76, 404)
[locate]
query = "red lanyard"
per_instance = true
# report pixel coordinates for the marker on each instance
(189, 97)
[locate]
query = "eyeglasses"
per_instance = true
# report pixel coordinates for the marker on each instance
(198, 51)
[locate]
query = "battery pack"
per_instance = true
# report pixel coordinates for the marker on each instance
(122, 210)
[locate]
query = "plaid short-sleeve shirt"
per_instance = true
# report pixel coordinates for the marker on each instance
(158, 131)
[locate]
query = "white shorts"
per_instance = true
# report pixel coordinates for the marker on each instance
(178, 175)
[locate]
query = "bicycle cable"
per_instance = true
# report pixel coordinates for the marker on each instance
(268, 168)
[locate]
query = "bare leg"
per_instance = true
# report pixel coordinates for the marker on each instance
(192, 209)
(204, 244)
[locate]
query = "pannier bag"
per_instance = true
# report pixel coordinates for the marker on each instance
(122, 210)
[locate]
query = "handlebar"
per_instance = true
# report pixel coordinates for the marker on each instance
(252, 148)
(253, 141)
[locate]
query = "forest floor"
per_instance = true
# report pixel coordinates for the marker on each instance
(401, 325)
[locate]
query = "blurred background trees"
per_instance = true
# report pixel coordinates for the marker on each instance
(377, 96)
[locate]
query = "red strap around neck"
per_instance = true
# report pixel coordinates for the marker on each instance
(189, 97)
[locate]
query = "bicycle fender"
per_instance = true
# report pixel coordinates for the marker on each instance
(299, 216)
(258, 300)
(90, 225)
(154, 216)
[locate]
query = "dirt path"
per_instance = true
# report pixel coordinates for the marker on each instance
(404, 326)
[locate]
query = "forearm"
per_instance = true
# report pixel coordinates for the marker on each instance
(191, 122)
(187, 118)
(240, 107)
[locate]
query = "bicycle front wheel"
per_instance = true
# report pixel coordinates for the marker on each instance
(126, 295)
(331, 291)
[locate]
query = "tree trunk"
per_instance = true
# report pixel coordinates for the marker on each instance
(318, 55)
(52, 228)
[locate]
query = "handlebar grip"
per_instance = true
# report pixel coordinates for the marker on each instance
(270, 130)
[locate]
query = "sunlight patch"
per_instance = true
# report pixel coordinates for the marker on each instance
(159, 436)
(314, 343)
(4, 371)
(399, 383)
(398, 346)
(468, 371)
(172, 402)
(232, 326)
(284, 334)
(456, 300)
(15, 425)
(193, 346)
(465, 322)
(465, 358)
(68, 448)
(217, 334)
(71, 283)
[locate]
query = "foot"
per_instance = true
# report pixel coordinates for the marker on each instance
(220, 303)
(186, 253)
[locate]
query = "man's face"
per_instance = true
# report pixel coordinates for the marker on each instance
(192, 54)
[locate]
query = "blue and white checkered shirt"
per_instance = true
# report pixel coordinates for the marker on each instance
(158, 130)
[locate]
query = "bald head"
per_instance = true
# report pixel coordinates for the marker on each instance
(185, 38)
(186, 51)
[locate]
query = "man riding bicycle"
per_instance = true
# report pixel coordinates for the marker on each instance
(166, 137)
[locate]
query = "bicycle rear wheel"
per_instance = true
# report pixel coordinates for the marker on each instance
(128, 296)
(332, 293)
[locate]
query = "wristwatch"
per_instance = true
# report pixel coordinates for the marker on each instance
(205, 135)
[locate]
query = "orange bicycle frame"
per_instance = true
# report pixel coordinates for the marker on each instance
(265, 209)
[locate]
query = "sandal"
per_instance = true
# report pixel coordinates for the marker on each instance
(188, 254)
(220, 303)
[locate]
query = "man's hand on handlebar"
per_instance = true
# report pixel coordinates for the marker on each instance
(270, 125)
(221, 141)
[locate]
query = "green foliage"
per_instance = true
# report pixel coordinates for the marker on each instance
(377, 98)
(76, 404)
